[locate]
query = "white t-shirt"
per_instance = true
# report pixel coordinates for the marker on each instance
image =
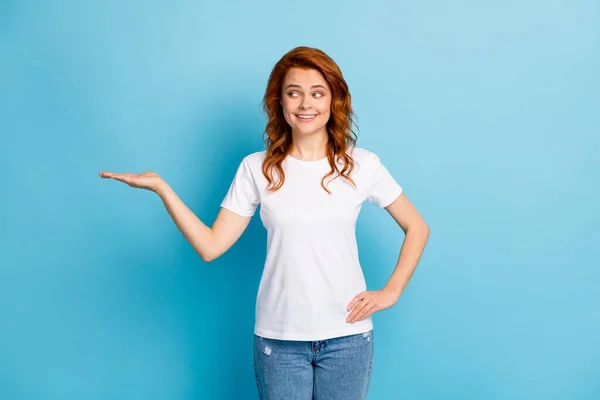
(311, 271)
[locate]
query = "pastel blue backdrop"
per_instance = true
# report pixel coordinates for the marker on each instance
(486, 112)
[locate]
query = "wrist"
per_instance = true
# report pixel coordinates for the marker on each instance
(162, 189)
(393, 290)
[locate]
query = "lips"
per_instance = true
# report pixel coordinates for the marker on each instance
(306, 117)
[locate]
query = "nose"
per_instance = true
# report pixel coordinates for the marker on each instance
(305, 103)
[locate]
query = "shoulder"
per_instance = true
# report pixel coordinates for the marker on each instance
(256, 156)
(363, 157)
(361, 154)
(254, 161)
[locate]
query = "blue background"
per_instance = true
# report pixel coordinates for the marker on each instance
(486, 112)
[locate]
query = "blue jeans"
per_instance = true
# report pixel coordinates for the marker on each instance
(331, 369)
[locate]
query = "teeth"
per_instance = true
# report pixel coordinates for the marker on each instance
(305, 116)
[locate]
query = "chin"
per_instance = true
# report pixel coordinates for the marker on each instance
(305, 132)
(308, 130)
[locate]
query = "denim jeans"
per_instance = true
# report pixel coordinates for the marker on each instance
(331, 369)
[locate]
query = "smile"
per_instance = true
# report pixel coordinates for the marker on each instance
(306, 117)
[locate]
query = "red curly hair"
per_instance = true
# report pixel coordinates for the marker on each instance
(278, 134)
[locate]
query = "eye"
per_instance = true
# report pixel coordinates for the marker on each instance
(319, 94)
(292, 94)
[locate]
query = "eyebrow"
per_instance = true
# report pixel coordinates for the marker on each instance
(298, 86)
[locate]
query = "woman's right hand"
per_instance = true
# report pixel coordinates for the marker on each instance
(145, 180)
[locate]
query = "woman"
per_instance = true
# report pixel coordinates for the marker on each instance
(313, 333)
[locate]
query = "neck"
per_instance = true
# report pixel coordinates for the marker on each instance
(309, 147)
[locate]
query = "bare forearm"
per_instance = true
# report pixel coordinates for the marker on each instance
(410, 254)
(195, 231)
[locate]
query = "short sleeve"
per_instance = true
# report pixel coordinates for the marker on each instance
(383, 189)
(242, 197)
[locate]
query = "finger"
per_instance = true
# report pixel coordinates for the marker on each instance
(121, 177)
(355, 300)
(362, 302)
(112, 174)
(356, 312)
(366, 312)
(351, 318)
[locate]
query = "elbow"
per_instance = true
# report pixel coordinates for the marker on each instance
(426, 230)
(421, 229)
(208, 257)
(208, 253)
(426, 233)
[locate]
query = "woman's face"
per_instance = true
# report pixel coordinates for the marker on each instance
(306, 101)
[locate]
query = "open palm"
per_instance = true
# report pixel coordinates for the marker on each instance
(145, 180)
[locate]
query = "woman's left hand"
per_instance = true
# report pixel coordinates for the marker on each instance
(369, 302)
